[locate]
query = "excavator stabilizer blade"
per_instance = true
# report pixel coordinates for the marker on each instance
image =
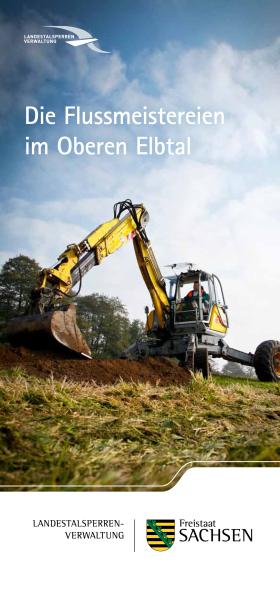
(49, 330)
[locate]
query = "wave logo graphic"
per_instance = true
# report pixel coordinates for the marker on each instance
(83, 38)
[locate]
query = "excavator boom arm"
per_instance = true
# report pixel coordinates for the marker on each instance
(106, 239)
(58, 327)
(153, 278)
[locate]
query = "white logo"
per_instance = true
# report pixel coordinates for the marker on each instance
(84, 38)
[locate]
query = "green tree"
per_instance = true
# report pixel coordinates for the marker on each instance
(105, 324)
(17, 278)
(136, 330)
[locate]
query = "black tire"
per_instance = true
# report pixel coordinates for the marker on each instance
(267, 361)
(201, 362)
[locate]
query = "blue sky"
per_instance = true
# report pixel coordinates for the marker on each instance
(219, 208)
(131, 25)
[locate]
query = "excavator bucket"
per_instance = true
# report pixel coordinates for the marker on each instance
(50, 330)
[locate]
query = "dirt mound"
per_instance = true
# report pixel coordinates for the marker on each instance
(43, 364)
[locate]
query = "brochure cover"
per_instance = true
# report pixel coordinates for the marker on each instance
(139, 282)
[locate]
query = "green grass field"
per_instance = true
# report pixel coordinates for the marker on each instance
(61, 433)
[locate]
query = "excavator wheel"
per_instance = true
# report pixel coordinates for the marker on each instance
(267, 361)
(201, 362)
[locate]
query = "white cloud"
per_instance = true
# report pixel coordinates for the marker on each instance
(29, 69)
(38, 238)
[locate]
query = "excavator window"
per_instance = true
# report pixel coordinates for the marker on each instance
(194, 299)
(172, 287)
(219, 295)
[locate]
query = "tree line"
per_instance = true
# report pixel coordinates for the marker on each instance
(103, 320)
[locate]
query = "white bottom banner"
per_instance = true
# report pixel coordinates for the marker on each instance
(218, 528)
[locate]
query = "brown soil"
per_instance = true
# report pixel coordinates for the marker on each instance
(44, 364)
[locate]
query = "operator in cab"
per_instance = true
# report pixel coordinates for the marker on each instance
(186, 308)
(191, 300)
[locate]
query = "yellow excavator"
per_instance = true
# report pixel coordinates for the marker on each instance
(188, 321)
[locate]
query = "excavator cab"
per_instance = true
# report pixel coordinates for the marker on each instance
(198, 303)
